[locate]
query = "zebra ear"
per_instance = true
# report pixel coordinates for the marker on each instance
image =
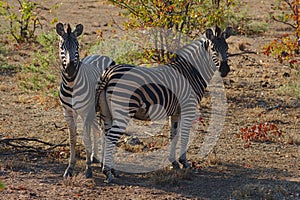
(209, 34)
(60, 30)
(78, 30)
(227, 33)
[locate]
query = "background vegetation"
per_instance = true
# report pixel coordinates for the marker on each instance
(165, 25)
(287, 47)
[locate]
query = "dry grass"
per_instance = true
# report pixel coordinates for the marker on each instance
(78, 181)
(171, 177)
(260, 191)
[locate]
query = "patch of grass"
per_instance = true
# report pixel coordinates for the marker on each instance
(256, 27)
(172, 177)
(245, 24)
(42, 74)
(3, 51)
(78, 181)
(6, 68)
(1, 186)
(292, 88)
(259, 191)
(122, 51)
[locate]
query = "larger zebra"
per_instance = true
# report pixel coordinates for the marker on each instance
(175, 89)
(77, 91)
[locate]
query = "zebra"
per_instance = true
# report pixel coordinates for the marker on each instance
(77, 91)
(173, 90)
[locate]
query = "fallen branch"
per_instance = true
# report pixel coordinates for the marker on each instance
(17, 143)
(241, 53)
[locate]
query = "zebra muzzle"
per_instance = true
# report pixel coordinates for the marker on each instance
(71, 69)
(224, 69)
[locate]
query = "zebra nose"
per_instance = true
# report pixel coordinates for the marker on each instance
(224, 69)
(71, 64)
(71, 68)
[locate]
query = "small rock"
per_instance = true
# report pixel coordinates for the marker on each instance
(285, 74)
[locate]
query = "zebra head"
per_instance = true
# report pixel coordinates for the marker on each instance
(218, 48)
(69, 48)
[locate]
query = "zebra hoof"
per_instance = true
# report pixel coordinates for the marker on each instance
(95, 160)
(68, 172)
(109, 176)
(115, 173)
(186, 165)
(175, 165)
(88, 173)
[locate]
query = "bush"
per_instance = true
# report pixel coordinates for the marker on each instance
(121, 50)
(169, 20)
(287, 47)
(22, 21)
(42, 73)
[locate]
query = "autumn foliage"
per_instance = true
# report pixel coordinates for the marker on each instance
(262, 132)
(287, 47)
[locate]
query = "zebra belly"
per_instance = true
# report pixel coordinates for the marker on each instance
(154, 112)
(142, 114)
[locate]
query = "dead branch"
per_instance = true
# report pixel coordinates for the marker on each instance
(241, 53)
(19, 143)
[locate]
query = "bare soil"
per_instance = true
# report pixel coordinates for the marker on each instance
(264, 170)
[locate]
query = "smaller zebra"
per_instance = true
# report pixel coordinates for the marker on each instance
(77, 91)
(173, 90)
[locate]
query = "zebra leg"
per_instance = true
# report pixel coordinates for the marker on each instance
(102, 151)
(86, 137)
(102, 131)
(114, 172)
(175, 119)
(109, 147)
(184, 162)
(117, 129)
(185, 127)
(96, 132)
(107, 143)
(70, 117)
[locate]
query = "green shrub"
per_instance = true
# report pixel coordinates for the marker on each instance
(172, 19)
(121, 50)
(22, 21)
(42, 74)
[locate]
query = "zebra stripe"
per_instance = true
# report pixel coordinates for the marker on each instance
(126, 91)
(77, 92)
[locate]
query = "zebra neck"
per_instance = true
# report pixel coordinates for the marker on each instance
(69, 81)
(195, 63)
(196, 56)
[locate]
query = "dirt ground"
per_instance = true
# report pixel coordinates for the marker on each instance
(265, 170)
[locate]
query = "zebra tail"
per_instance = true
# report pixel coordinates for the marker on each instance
(100, 87)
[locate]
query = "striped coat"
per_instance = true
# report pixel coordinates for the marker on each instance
(173, 90)
(77, 91)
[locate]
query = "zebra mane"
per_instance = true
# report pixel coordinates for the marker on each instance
(195, 64)
(196, 53)
(69, 29)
